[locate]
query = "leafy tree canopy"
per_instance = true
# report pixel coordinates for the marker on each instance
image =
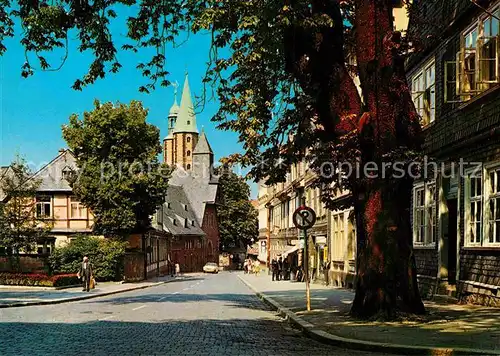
(267, 85)
(120, 177)
(21, 227)
(238, 223)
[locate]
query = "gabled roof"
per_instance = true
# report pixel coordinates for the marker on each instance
(52, 173)
(186, 118)
(202, 147)
(178, 207)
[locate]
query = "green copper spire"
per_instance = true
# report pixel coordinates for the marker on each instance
(186, 118)
(174, 110)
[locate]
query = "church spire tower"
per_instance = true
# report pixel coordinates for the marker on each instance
(182, 131)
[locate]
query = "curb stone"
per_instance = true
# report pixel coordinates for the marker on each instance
(83, 297)
(315, 333)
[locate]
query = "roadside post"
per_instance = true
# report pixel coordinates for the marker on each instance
(304, 218)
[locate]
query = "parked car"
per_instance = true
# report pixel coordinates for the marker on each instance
(211, 267)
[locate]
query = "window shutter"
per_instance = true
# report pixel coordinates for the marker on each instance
(479, 73)
(451, 87)
(460, 71)
(467, 209)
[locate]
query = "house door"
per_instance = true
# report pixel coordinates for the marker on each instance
(452, 240)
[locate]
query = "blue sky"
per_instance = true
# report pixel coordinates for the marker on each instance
(32, 110)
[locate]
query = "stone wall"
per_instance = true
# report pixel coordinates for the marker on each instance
(24, 264)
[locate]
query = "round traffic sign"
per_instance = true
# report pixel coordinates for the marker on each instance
(304, 218)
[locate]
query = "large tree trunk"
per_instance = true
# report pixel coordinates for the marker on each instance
(386, 273)
(385, 123)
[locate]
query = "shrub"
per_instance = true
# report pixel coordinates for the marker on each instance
(105, 255)
(61, 280)
(38, 279)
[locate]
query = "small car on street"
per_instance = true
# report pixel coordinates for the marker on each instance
(211, 267)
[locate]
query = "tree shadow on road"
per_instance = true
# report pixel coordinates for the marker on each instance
(248, 301)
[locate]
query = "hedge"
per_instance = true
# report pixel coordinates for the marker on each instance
(38, 279)
(105, 255)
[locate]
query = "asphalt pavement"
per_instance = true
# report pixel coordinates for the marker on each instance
(200, 315)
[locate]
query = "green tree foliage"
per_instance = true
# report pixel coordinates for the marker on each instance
(120, 178)
(20, 225)
(238, 223)
(106, 256)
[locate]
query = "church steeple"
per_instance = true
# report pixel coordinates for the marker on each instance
(182, 137)
(174, 111)
(186, 118)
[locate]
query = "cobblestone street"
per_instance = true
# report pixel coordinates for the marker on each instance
(201, 315)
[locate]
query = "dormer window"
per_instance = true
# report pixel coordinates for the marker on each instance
(185, 207)
(189, 122)
(186, 224)
(192, 223)
(174, 221)
(169, 206)
(67, 173)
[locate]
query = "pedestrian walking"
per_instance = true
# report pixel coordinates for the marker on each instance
(280, 268)
(286, 267)
(274, 269)
(177, 269)
(86, 274)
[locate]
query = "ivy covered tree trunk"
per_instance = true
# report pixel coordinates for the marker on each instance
(386, 273)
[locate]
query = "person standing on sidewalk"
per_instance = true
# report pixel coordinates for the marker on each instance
(85, 273)
(274, 269)
(280, 268)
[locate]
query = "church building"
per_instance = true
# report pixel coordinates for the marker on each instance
(190, 209)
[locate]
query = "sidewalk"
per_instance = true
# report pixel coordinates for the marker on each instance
(14, 296)
(447, 326)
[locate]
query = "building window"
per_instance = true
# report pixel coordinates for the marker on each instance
(493, 206)
(192, 223)
(475, 68)
(473, 208)
(188, 139)
(78, 210)
(43, 207)
(338, 245)
(424, 93)
(189, 122)
(424, 214)
(188, 166)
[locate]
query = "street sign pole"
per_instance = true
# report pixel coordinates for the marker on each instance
(304, 219)
(306, 268)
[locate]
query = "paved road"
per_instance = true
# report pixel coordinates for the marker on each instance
(201, 315)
